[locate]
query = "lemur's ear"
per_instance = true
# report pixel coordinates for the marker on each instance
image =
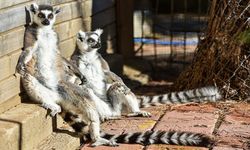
(99, 31)
(56, 10)
(80, 35)
(34, 8)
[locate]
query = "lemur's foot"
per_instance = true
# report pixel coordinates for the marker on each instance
(102, 141)
(140, 114)
(55, 109)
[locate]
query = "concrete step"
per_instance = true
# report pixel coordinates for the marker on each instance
(24, 127)
(59, 141)
(10, 103)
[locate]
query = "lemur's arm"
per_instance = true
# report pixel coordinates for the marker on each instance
(30, 46)
(112, 77)
(71, 68)
(23, 59)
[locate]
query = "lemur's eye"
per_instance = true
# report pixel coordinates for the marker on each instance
(90, 40)
(40, 15)
(50, 16)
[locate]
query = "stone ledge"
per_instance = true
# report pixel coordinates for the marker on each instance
(59, 141)
(23, 127)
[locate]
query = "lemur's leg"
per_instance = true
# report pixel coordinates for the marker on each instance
(41, 94)
(119, 94)
(86, 123)
(104, 110)
(95, 135)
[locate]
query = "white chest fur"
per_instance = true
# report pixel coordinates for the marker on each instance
(46, 55)
(91, 68)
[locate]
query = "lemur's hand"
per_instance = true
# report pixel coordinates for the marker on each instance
(20, 68)
(83, 79)
(55, 109)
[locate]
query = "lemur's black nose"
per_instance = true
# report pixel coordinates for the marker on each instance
(97, 45)
(45, 22)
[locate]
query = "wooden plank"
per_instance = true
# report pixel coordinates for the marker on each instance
(13, 61)
(76, 10)
(63, 30)
(87, 24)
(9, 88)
(11, 41)
(75, 26)
(12, 17)
(65, 13)
(53, 2)
(124, 17)
(5, 67)
(69, 29)
(67, 47)
(8, 3)
(69, 11)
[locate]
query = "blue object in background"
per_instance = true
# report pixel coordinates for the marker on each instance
(161, 42)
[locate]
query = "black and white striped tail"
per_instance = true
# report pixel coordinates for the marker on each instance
(161, 137)
(199, 95)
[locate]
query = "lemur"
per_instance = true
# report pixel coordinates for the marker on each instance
(45, 77)
(111, 89)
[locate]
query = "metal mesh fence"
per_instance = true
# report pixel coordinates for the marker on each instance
(222, 56)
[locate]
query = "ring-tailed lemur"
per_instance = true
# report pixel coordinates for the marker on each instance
(39, 53)
(110, 88)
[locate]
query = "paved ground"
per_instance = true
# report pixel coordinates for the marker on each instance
(228, 123)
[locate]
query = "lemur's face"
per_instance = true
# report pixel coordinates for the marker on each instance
(44, 15)
(88, 41)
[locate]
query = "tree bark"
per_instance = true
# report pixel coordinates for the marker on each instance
(223, 56)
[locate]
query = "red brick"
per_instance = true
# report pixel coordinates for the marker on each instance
(157, 111)
(134, 124)
(188, 121)
(235, 126)
(234, 131)
(226, 148)
(174, 147)
(125, 126)
(207, 108)
(229, 142)
(240, 109)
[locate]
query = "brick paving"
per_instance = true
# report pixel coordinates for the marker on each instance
(226, 122)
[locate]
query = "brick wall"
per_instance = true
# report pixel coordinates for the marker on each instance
(75, 15)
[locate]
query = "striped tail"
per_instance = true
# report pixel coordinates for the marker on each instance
(199, 95)
(161, 137)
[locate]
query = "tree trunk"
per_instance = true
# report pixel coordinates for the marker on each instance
(223, 56)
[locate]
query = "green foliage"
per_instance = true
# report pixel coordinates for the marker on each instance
(244, 37)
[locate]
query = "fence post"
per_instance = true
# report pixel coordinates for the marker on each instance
(124, 18)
